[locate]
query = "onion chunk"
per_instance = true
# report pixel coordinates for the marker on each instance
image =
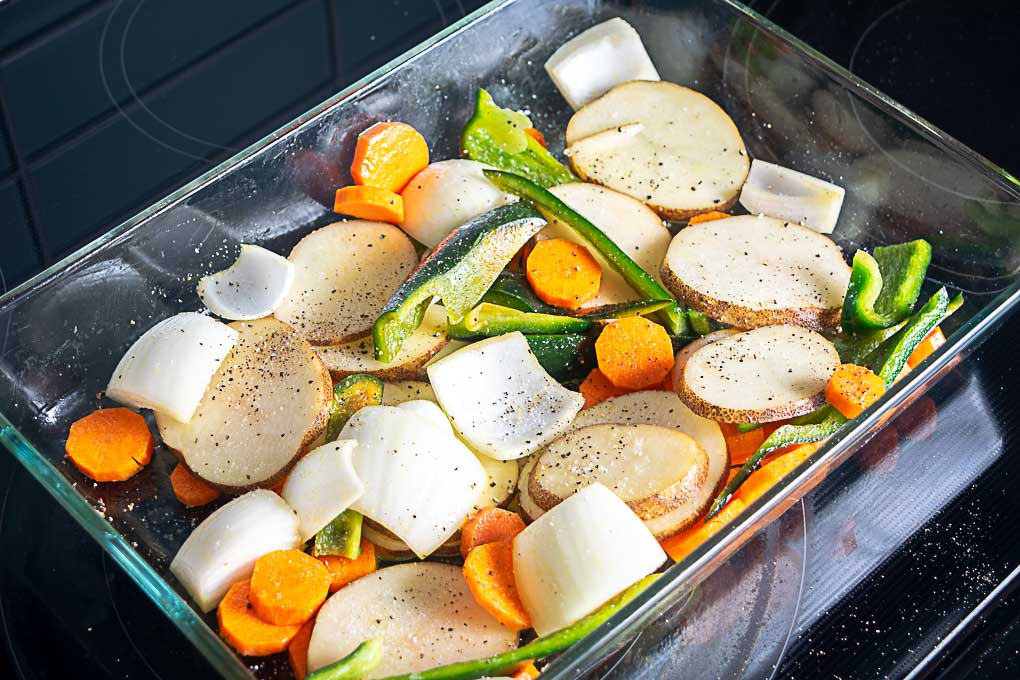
(251, 288)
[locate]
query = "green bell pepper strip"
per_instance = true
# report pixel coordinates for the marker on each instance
(854, 348)
(349, 396)
(458, 271)
(341, 537)
(565, 356)
(487, 320)
(884, 287)
(891, 356)
(495, 136)
(355, 665)
(620, 310)
(786, 435)
(643, 283)
(536, 649)
(743, 428)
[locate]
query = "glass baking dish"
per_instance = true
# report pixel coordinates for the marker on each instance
(62, 332)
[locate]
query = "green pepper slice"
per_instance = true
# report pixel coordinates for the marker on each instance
(884, 287)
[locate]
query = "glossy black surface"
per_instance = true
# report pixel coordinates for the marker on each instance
(67, 611)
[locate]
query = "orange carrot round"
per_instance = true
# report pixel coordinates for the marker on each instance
(388, 155)
(288, 587)
(370, 203)
(710, 216)
(489, 570)
(563, 273)
(343, 570)
(634, 353)
(596, 388)
(489, 525)
(189, 489)
(537, 135)
(683, 544)
(110, 445)
(246, 632)
(526, 671)
(852, 389)
(927, 347)
(297, 650)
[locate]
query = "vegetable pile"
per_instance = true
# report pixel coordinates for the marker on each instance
(593, 367)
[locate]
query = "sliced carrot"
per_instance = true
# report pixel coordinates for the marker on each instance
(741, 445)
(563, 273)
(634, 353)
(189, 489)
(388, 155)
(931, 342)
(297, 650)
(853, 388)
(246, 632)
(596, 388)
(489, 570)
(488, 525)
(537, 135)
(288, 587)
(765, 477)
(370, 203)
(710, 216)
(526, 671)
(110, 445)
(343, 570)
(684, 543)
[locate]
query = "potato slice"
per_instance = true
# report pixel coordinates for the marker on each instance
(343, 275)
(628, 222)
(423, 611)
(267, 403)
(391, 549)
(358, 356)
(653, 469)
(666, 145)
(759, 376)
(406, 390)
(655, 407)
(758, 271)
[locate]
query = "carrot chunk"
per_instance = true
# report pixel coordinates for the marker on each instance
(684, 543)
(370, 203)
(526, 671)
(710, 216)
(537, 135)
(343, 570)
(189, 489)
(634, 353)
(110, 445)
(489, 570)
(764, 478)
(596, 388)
(853, 388)
(246, 632)
(563, 273)
(297, 650)
(931, 342)
(288, 587)
(488, 525)
(741, 445)
(388, 155)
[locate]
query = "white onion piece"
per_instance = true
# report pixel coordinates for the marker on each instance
(170, 366)
(421, 482)
(500, 399)
(593, 62)
(444, 196)
(786, 194)
(430, 411)
(580, 554)
(251, 288)
(222, 549)
(322, 485)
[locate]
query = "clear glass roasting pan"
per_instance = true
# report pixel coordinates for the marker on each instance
(62, 332)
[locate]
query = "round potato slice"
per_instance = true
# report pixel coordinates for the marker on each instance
(343, 275)
(358, 356)
(264, 407)
(406, 390)
(666, 145)
(424, 612)
(759, 376)
(628, 222)
(653, 469)
(752, 271)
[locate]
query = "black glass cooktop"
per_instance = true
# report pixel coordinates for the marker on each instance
(938, 600)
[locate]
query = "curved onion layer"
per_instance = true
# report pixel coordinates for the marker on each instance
(580, 554)
(251, 288)
(322, 485)
(169, 367)
(222, 550)
(421, 482)
(790, 195)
